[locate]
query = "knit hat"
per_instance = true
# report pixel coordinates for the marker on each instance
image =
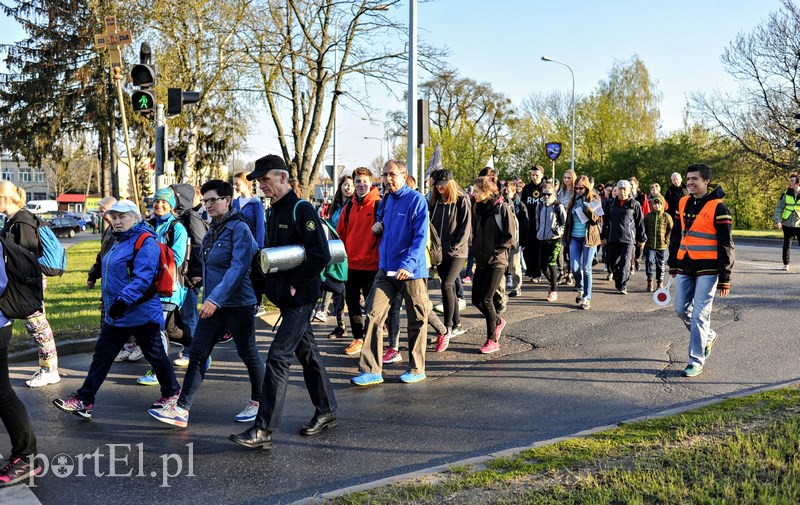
(166, 195)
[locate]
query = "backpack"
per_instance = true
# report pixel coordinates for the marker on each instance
(183, 268)
(335, 274)
(499, 221)
(166, 273)
(24, 295)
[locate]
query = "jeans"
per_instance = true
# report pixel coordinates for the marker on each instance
(694, 297)
(418, 306)
(359, 283)
(189, 308)
(620, 255)
(393, 321)
(654, 263)
(110, 342)
(789, 233)
(293, 338)
(448, 273)
(240, 322)
(581, 259)
(12, 410)
(484, 286)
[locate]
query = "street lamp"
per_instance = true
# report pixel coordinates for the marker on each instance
(545, 58)
(380, 153)
(385, 134)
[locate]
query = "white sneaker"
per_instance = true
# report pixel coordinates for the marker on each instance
(124, 353)
(136, 353)
(785, 268)
(321, 316)
(248, 415)
(456, 331)
(44, 377)
(462, 304)
(182, 361)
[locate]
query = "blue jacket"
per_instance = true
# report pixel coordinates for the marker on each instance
(179, 249)
(129, 286)
(4, 321)
(227, 253)
(405, 233)
(253, 213)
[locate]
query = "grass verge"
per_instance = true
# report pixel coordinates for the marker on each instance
(758, 233)
(72, 310)
(743, 450)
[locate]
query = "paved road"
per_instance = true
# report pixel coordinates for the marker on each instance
(560, 371)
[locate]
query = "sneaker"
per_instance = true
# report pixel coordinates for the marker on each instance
(509, 283)
(182, 361)
(610, 276)
(75, 406)
(514, 293)
(785, 268)
(579, 298)
(457, 330)
(623, 291)
(15, 470)
(225, 338)
(439, 308)
(692, 370)
(124, 353)
(490, 346)
(248, 415)
(260, 311)
(467, 280)
(149, 379)
(391, 355)
(462, 304)
(164, 400)
(499, 329)
(367, 379)
(43, 377)
(320, 316)
(337, 332)
(707, 349)
(442, 341)
(208, 362)
(411, 378)
(586, 304)
(171, 414)
(552, 296)
(136, 353)
(355, 347)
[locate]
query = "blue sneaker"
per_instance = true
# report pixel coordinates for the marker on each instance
(410, 378)
(692, 370)
(367, 379)
(149, 379)
(208, 362)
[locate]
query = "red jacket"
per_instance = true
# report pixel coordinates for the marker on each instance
(355, 230)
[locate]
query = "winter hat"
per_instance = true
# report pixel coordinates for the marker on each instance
(166, 195)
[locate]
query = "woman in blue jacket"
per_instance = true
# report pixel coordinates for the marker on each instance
(133, 310)
(227, 250)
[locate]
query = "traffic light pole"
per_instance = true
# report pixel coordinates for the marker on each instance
(132, 172)
(161, 142)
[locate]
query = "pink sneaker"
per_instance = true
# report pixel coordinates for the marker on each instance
(391, 355)
(442, 341)
(498, 330)
(490, 346)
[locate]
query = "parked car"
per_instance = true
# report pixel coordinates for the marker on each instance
(80, 218)
(65, 226)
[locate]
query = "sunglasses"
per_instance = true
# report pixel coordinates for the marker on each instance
(579, 188)
(547, 194)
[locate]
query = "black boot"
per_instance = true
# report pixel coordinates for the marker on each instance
(318, 423)
(253, 438)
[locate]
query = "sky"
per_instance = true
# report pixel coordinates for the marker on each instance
(501, 42)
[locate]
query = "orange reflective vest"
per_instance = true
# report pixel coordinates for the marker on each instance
(700, 240)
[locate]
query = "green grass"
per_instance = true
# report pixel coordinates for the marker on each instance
(72, 310)
(758, 233)
(743, 450)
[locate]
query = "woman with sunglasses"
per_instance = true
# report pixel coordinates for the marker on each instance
(583, 233)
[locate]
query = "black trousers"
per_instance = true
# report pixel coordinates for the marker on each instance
(484, 285)
(359, 282)
(12, 410)
(789, 233)
(620, 256)
(448, 274)
(531, 255)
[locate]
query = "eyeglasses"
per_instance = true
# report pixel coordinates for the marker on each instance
(547, 194)
(212, 200)
(579, 188)
(393, 175)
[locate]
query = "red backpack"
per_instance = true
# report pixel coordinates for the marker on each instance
(167, 272)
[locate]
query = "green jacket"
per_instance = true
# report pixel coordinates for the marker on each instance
(659, 227)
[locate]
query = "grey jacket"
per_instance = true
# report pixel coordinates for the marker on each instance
(550, 220)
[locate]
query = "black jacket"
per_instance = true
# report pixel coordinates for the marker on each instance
(22, 227)
(673, 196)
(523, 222)
(307, 231)
(624, 222)
(490, 244)
(453, 223)
(195, 226)
(530, 197)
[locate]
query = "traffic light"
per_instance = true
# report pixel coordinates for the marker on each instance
(143, 75)
(177, 98)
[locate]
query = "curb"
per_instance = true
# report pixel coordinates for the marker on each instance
(479, 460)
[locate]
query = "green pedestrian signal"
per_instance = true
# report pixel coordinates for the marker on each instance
(143, 75)
(143, 100)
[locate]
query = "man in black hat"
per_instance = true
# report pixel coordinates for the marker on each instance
(291, 220)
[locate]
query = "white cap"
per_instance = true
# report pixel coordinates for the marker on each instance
(624, 184)
(124, 206)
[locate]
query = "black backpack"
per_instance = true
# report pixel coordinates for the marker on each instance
(23, 295)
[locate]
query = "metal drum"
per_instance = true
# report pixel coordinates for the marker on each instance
(287, 257)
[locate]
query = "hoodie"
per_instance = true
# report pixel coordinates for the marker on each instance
(355, 230)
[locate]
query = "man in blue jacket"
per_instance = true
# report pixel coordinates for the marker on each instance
(291, 220)
(402, 268)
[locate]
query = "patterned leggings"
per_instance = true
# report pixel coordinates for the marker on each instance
(39, 329)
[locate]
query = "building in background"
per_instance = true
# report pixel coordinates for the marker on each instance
(32, 180)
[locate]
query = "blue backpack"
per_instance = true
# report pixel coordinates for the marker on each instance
(53, 256)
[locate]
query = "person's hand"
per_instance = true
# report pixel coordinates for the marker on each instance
(196, 281)
(90, 283)
(292, 291)
(723, 292)
(207, 310)
(779, 226)
(117, 309)
(603, 242)
(402, 275)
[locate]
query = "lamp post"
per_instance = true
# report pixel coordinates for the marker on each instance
(380, 153)
(545, 58)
